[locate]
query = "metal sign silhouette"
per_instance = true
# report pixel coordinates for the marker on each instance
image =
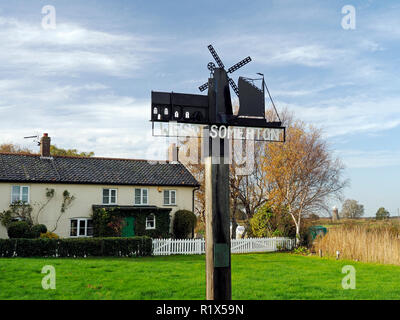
(214, 110)
(216, 107)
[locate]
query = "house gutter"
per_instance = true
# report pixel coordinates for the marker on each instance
(194, 190)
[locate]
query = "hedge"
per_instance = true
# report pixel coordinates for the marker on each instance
(80, 247)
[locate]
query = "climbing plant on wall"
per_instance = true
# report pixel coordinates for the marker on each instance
(65, 205)
(108, 222)
(49, 195)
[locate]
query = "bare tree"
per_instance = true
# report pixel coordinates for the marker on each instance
(247, 184)
(249, 190)
(302, 173)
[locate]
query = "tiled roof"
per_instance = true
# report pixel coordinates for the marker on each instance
(33, 168)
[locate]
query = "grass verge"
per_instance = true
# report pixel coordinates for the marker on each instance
(254, 276)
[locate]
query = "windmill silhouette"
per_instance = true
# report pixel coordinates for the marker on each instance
(211, 66)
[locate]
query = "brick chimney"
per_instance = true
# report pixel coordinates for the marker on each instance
(173, 152)
(45, 145)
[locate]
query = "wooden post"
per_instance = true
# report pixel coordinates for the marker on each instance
(218, 246)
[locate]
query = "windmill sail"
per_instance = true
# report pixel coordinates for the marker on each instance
(251, 100)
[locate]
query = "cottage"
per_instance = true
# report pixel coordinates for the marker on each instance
(65, 192)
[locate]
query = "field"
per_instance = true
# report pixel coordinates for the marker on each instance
(254, 276)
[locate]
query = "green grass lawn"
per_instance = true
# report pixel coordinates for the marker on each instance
(254, 276)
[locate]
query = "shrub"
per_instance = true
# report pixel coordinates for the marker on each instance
(79, 247)
(19, 229)
(17, 209)
(49, 235)
(37, 230)
(184, 223)
(267, 222)
(302, 251)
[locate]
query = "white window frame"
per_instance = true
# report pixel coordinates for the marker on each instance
(109, 195)
(141, 197)
(20, 193)
(154, 219)
(78, 227)
(169, 197)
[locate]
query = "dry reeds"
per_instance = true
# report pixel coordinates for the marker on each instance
(378, 243)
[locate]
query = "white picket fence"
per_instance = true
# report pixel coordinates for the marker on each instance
(166, 247)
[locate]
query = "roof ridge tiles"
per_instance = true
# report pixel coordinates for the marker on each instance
(81, 157)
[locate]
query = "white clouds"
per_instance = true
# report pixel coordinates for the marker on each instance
(371, 45)
(351, 115)
(287, 49)
(298, 90)
(107, 124)
(386, 25)
(370, 159)
(312, 55)
(53, 79)
(69, 49)
(52, 82)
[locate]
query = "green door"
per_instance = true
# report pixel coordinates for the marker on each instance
(128, 229)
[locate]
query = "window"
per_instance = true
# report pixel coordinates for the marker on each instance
(81, 227)
(141, 196)
(150, 222)
(20, 193)
(109, 196)
(170, 197)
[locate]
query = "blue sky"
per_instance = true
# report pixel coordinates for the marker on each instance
(88, 82)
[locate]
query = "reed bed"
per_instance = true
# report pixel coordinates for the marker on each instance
(379, 243)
